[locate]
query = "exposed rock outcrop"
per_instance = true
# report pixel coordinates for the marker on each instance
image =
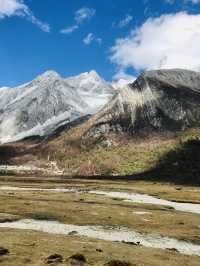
(158, 101)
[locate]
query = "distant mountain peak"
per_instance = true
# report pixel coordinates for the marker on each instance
(94, 74)
(90, 74)
(40, 107)
(48, 75)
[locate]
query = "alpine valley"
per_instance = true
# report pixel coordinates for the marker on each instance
(85, 126)
(101, 174)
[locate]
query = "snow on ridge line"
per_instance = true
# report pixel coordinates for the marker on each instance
(121, 234)
(48, 96)
(39, 129)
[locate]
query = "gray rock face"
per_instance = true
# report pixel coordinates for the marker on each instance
(40, 107)
(162, 100)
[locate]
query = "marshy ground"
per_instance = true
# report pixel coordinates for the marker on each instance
(74, 204)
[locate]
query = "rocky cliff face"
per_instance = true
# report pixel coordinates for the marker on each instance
(163, 100)
(49, 102)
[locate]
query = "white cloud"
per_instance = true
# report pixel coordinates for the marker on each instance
(80, 16)
(88, 39)
(83, 14)
(43, 26)
(91, 38)
(99, 40)
(185, 1)
(10, 8)
(125, 22)
(192, 1)
(69, 29)
(169, 41)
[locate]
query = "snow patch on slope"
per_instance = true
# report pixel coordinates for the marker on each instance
(95, 91)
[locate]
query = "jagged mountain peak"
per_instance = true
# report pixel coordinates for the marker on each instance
(91, 76)
(48, 102)
(48, 76)
(94, 74)
(94, 90)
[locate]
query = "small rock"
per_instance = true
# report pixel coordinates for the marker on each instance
(99, 250)
(106, 143)
(3, 251)
(73, 233)
(119, 263)
(129, 243)
(55, 258)
(173, 249)
(169, 207)
(78, 259)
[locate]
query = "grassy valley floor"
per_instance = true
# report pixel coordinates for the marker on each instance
(80, 207)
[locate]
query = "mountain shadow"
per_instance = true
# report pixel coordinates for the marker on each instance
(180, 165)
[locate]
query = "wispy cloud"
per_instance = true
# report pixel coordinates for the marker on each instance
(124, 22)
(84, 14)
(88, 39)
(185, 1)
(80, 16)
(69, 29)
(91, 38)
(10, 8)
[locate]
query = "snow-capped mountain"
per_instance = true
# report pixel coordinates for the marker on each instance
(94, 91)
(41, 106)
(122, 83)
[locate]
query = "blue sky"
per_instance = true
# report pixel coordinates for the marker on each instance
(117, 38)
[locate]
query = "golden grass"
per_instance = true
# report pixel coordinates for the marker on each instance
(31, 248)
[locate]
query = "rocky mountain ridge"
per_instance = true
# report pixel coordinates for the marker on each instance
(158, 101)
(41, 106)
